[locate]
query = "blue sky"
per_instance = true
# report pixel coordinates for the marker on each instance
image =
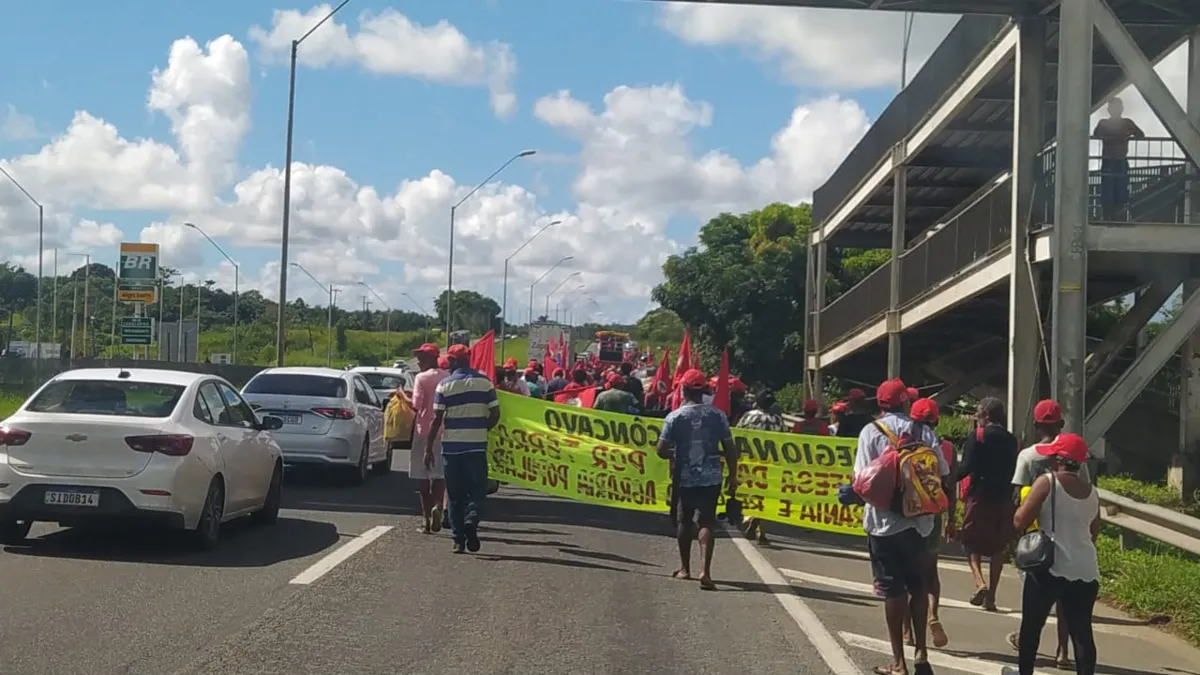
(384, 128)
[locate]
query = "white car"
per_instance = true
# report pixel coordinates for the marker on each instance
(159, 446)
(385, 381)
(331, 418)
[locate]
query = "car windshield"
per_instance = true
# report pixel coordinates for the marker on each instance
(290, 384)
(383, 380)
(107, 397)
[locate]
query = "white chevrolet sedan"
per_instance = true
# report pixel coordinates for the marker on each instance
(331, 419)
(159, 446)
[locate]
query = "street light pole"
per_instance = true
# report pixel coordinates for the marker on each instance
(37, 330)
(328, 312)
(504, 301)
(560, 285)
(235, 284)
(563, 303)
(281, 324)
(387, 324)
(535, 283)
(423, 313)
(450, 265)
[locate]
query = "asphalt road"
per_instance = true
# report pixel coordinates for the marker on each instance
(559, 588)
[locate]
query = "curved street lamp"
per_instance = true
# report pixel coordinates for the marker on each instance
(560, 285)
(535, 283)
(504, 301)
(236, 282)
(328, 312)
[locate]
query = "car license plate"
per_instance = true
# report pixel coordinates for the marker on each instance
(290, 419)
(90, 499)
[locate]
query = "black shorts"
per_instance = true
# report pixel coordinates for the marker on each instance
(897, 563)
(699, 503)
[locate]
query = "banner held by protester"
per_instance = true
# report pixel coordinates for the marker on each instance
(609, 459)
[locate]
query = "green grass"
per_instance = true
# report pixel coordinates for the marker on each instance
(1153, 581)
(1150, 493)
(9, 403)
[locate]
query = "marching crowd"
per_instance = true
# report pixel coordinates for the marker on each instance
(1036, 505)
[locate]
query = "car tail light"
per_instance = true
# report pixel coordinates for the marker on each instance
(334, 413)
(11, 437)
(174, 445)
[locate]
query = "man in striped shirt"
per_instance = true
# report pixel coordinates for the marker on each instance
(467, 407)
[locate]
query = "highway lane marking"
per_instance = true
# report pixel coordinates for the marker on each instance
(340, 555)
(939, 659)
(831, 651)
(869, 590)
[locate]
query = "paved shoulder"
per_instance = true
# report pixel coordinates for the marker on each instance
(559, 588)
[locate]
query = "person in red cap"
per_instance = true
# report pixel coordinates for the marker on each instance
(431, 483)
(989, 459)
(897, 544)
(615, 397)
(925, 411)
(855, 418)
(1048, 424)
(809, 423)
(1062, 497)
(835, 417)
(467, 406)
(913, 395)
(556, 383)
(696, 436)
(633, 384)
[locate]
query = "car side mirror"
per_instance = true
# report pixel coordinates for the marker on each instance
(270, 423)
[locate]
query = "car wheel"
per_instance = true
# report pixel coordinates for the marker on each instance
(363, 469)
(384, 467)
(269, 513)
(14, 531)
(208, 528)
(493, 487)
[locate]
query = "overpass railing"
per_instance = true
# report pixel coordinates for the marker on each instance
(982, 226)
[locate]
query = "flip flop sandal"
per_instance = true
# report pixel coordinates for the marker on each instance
(938, 633)
(1011, 639)
(1064, 664)
(681, 575)
(707, 585)
(979, 597)
(890, 670)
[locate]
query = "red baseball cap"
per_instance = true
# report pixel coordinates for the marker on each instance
(1071, 447)
(924, 410)
(693, 379)
(559, 372)
(736, 385)
(458, 352)
(838, 408)
(612, 379)
(511, 362)
(891, 393)
(811, 407)
(428, 348)
(1047, 412)
(857, 395)
(913, 393)
(443, 362)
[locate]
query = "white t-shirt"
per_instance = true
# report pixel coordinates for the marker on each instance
(1030, 465)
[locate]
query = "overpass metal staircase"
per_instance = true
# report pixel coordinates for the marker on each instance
(979, 230)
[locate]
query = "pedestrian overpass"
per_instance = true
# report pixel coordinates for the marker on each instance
(980, 179)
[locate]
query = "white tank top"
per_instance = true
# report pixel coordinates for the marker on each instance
(1074, 553)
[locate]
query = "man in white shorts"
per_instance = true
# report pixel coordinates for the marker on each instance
(431, 480)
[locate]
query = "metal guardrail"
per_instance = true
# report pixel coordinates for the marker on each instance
(1153, 522)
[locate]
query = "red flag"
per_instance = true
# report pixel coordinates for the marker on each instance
(578, 395)
(661, 386)
(721, 396)
(548, 366)
(684, 362)
(483, 355)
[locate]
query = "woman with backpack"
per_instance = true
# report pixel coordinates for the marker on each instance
(989, 459)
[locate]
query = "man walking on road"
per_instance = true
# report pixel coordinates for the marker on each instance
(431, 479)
(466, 404)
(897, 545)
(697, 436)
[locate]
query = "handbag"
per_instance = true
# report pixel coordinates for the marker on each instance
(1035, 551)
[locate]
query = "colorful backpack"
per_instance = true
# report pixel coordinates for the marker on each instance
(919, 490)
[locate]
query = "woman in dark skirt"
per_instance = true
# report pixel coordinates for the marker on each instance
(989, 460)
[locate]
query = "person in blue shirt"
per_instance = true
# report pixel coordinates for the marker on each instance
(467, 406)
(696, 437)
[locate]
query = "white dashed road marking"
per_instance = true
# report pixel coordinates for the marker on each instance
(340, 555)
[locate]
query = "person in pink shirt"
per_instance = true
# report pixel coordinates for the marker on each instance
(431, 479)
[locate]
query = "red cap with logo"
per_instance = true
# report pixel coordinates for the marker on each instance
(924, 410)
(693, 379)
(891, 393)
(1070, 447)
(1047, 412)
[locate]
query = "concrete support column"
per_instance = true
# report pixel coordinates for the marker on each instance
(1024, 322)
(899, 225)
(814, 300)
(1069, 246)
(1184, 474)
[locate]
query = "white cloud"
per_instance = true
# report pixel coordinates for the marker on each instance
(838, 50)
(17, 126)
(392, 44)
(638, 171)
